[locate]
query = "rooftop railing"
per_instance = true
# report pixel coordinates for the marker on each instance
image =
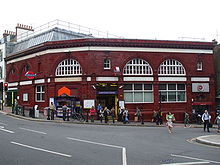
(67, 26)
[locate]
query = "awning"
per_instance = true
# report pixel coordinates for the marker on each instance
(202, 103)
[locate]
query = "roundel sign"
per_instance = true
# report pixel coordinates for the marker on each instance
(200, 87)
(30, 75)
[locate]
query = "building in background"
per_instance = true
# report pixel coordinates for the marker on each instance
(174, 76)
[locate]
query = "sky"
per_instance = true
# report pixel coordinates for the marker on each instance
(135, 19)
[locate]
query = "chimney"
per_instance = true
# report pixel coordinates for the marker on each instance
(9, 35)
(23, 31)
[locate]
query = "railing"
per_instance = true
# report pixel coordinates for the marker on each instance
(67, 26)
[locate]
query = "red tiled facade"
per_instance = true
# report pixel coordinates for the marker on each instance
(91, 53)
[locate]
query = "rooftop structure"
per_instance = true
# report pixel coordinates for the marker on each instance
(26, 37)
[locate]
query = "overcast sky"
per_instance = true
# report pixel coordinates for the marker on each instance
(139, 19)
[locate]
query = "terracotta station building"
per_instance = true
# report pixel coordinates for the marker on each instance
(176, 76)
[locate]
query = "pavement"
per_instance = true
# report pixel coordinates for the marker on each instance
(213, 140)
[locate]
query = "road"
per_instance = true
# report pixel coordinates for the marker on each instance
(25, 142)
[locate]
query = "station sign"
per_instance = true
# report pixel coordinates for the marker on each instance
(30, 75)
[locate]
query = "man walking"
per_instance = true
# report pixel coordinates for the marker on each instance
(206, 120)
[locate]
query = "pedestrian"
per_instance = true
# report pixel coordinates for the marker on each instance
(154, 116)
(64, 108)
(113, 114)
(52, 110)
(99, 108)
(106, 113)
(92, 113)
(217, 120)
(160, 117)
(186, 119)
(120, 116)
(138, 114)
(125, 116)
(170, 118)
(206, 120)
(101, 115)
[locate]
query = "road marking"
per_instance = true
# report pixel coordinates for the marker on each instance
(2, 123)
(5, 130)
(40, 149)
(186, 163)
(187, 157)
(124, 155)
(32, 130)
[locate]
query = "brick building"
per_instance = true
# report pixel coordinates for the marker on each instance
(174, 76)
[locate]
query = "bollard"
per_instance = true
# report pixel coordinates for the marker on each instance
(12, 109)
(87, 115)
(23, 111)
(33, 113)
(142, 119)
(68, 117)
(16, 110)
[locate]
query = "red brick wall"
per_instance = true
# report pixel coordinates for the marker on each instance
(92, 66)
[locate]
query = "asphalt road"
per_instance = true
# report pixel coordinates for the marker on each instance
(40, 143)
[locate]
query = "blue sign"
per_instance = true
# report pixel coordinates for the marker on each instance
(107, 92)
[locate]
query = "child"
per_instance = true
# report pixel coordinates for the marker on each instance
(217, 120)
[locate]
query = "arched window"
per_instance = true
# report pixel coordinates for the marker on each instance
(68, 67)
(137, 67)
(26, 68)
(171, 67)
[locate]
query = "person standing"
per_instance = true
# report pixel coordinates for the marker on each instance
(113, 114)
(186, 119)
(138, 114)
(92, 113)
(120, 112)
(64, 108)
(170, 118)
(125, 116)
(206, 120)
(99, 108)
(53, 109)
(160, 117)
(154, 117)
(101, 115)
(217, 120)
(106, 113)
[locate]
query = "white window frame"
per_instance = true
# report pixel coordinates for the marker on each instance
(171, 67)
(168, 91)
(107, 63)
(143, 91)
(68, 67)
(1, 55)
(199, 66)
(137, 67)
(41, 93)
(1, 72)
(25, 96)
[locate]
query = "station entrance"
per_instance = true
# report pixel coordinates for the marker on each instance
(107, 95)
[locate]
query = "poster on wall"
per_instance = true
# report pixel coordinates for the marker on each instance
(88, 103)
(200, 87)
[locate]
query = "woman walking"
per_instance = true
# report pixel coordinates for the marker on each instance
(170, 118)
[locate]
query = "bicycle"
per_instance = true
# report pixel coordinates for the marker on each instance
(78, 117)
